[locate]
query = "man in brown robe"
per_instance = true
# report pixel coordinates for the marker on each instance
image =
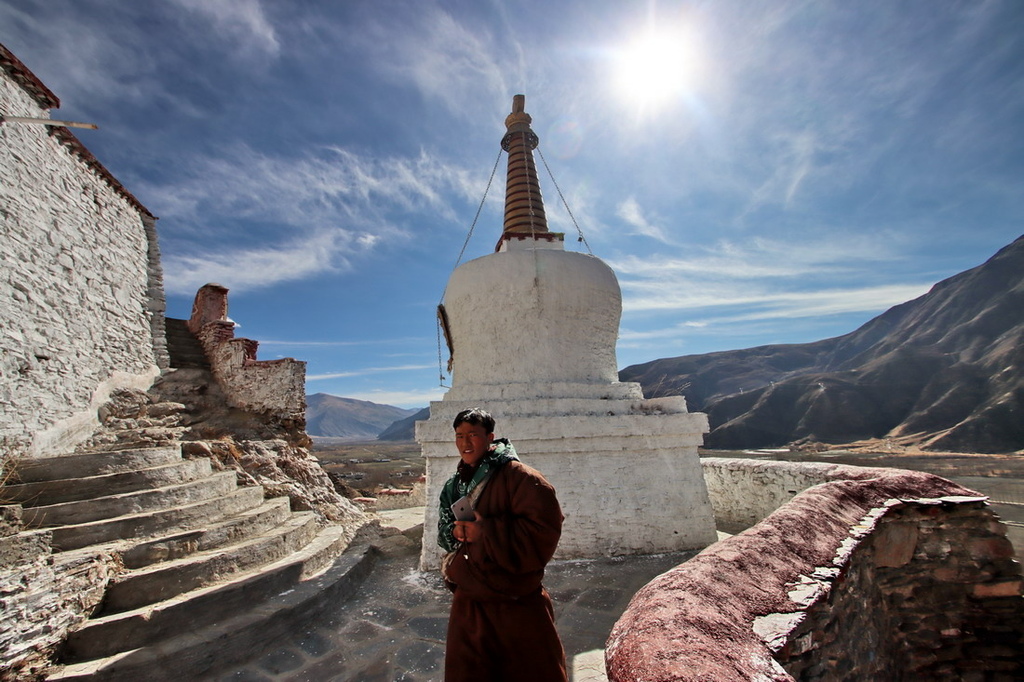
(502, 625)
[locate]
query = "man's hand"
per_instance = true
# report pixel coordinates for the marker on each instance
(468, 531)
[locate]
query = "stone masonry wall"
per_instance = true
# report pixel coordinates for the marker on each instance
(42, 594)
(80, 298)
(892, 575)
(923, 590)
(270, 387)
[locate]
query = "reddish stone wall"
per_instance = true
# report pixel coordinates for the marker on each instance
(900, 576)
(274, 387)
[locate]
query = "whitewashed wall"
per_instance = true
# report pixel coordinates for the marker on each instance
(80, 289)
(745, 491)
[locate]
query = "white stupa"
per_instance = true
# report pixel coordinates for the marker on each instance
(532, 329)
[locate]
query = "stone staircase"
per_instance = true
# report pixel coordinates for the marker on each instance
(183, 347)
(211, 570)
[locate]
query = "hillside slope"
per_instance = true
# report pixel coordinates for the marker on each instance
(329, 415)
(943, 371)
(405, 429)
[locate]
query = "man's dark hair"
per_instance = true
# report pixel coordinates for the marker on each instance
(475, 416)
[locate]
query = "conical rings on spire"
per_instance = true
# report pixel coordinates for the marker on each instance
(524, 206)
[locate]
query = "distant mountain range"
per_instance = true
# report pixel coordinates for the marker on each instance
(331, 416)
(943, 371)
(405, 429)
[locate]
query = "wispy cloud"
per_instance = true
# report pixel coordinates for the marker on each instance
(256, 268)
(447, 60)
(337, 204)
(409, 399)
(241, 22)
(90, 54)
(299, 190)
(767, 279)
(764, 304)
(759, 258)
(629, 210)
(365, 371)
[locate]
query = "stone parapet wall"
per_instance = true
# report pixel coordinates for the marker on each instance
(895, 575)
(744, 491)
(270, 387)
(923, 590)
(80, 299)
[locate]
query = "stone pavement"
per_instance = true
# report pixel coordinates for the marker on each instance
(393, 627)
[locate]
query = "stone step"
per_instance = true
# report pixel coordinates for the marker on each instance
(156, 522)
(166, 580)
(43, 493)
(118, 633)
(95, 463)
(200, 652)
(247, 523)
(183, 348)
(111, 506)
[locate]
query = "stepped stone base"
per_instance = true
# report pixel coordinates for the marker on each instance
(626, 469)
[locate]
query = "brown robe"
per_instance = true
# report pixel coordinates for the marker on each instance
(502, 625)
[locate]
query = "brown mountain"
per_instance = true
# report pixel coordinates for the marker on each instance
(405, 429)
(943, 371)
(329, 415)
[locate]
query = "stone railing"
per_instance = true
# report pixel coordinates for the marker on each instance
(272, 387)
(891, 575)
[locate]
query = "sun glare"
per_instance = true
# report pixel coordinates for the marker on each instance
(655, 69)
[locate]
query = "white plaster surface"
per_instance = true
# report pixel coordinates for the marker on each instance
(76, 308)
(534, 335)
(745, 491)
(520, 316)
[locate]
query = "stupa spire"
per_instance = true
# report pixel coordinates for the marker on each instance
(524, 206)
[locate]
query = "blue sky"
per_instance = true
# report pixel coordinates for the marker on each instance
(781, 172)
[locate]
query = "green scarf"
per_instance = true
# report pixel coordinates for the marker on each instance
(501, 452)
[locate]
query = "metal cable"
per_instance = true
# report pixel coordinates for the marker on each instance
(479, 209)
(564, 202)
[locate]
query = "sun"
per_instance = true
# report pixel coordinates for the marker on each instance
(656, 68)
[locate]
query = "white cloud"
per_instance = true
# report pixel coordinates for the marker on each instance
(768, 304)
(759, 258)
(629, 210)
(244, 182)
(242, 21)
(411, 399)
(256, 268)
(365, 371)
(445, 59)
(338, 205)
(766, 279)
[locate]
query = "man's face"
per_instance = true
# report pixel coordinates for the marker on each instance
(472, 442)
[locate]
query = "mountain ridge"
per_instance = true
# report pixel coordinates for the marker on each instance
(336, 417)
(943, 371)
